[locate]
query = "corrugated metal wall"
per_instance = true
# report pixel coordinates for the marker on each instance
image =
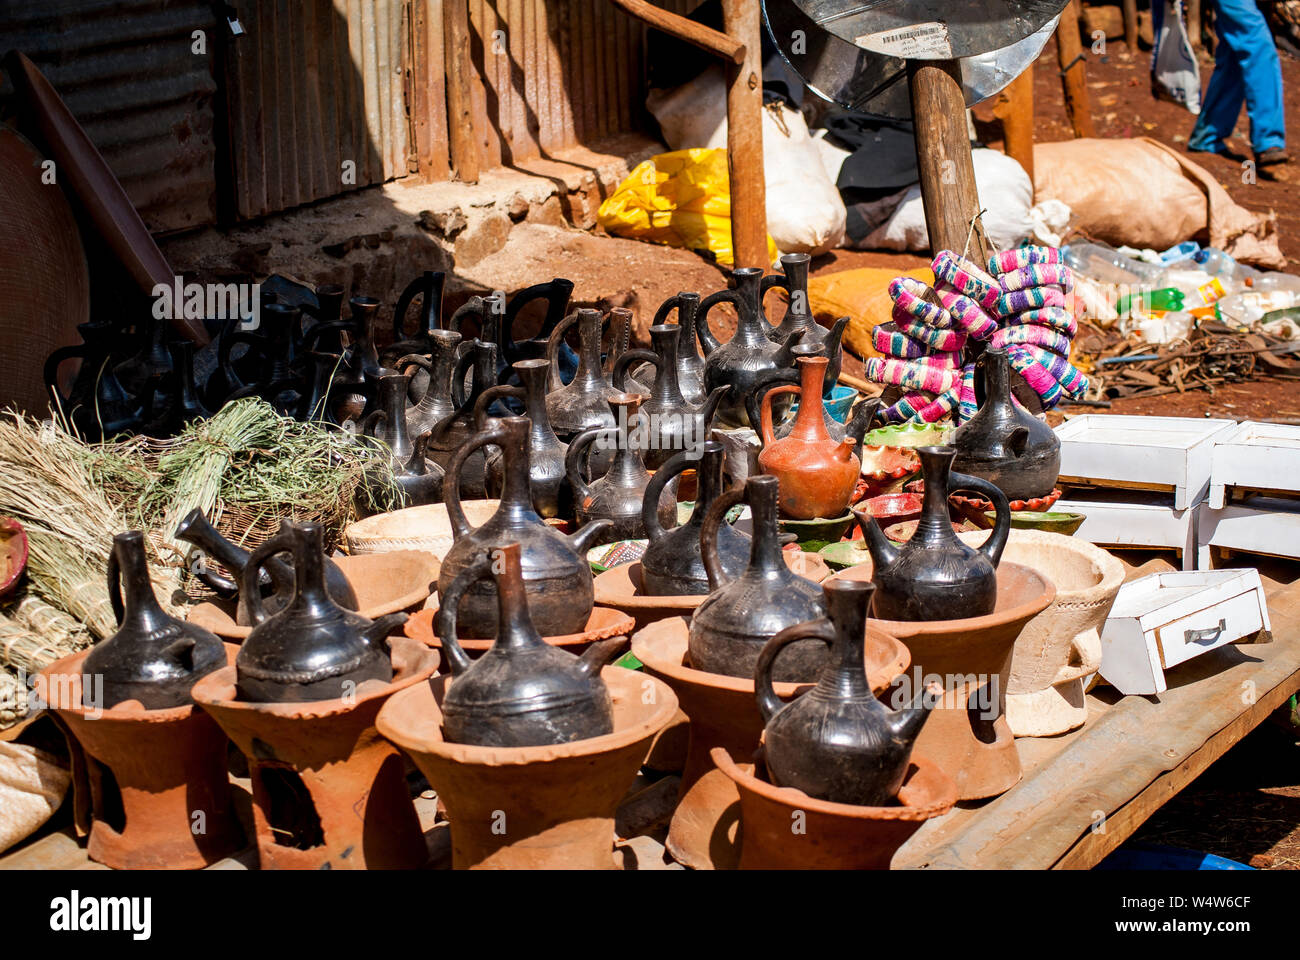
(128, 73)
(317, 96)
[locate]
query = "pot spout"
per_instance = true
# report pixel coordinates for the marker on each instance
(883, 553)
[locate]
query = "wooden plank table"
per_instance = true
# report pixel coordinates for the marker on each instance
(1085, 792)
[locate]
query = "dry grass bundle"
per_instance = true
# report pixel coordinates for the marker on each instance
(13, 699)
(35, 633)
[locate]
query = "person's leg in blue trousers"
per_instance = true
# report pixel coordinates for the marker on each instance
(1246, 67)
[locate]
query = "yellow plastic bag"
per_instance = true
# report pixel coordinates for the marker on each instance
(862, 294)
(680, 199)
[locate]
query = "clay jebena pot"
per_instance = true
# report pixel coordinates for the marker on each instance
(837, 742)
(522, 692)
(153, 657)
(690, 365)
(1003, 443)
(730, 628)
(817, 474)
(934, 576)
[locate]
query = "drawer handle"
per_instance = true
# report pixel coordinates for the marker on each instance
(1208, 635)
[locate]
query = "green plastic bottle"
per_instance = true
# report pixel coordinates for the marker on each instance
(1164, 298)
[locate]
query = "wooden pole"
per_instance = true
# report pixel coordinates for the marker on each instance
(1074, 72)
(1194, 23)
(1015, 108)
(745, 137)
(948, 189)
(683, 28)
(1130, 23)
(460, 125)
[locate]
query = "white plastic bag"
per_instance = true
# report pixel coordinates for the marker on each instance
(804, 211)
(1173, 65)
(1006, 194)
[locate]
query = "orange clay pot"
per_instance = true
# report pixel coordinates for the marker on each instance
(150, 785)
(328, 791)
(785, 829)
(817, 474)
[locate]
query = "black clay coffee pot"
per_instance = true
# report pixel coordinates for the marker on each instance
(547, 483)
(837, 742)
(583, 402)
(1003, 443)
(750, 353)
(555, 571)
(275, 586)
(153, 658)
(522, 692)
(673, 563)
(934, 576)
(312, 649)
(436, 403)
(729, 629)
(798, 315)
(690, 365)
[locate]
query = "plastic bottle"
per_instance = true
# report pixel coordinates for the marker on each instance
(1161, 298)
(1106, 265)
(1216, 263)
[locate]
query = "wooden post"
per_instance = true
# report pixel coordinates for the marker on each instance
(460, 126)
(1074, 72)
(745, 137)
(1015, 108)
(1194, 23)
(943, 154)
(1130, 22)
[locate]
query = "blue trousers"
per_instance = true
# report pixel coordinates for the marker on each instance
(1246, 68)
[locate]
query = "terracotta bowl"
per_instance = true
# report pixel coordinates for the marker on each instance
(1047, 521)
(724, 713)
(1061, 646)
(426, 528)
(165, 763)
(384, 583)
(549, 807)
(836, 836)
(890, 508)
(353, 779)
(971, 658)
(603, 624)
(827, 530)
(13, 553)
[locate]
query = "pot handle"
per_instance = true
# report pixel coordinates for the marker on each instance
(765, 411)
(626, 359)
(490, 396)
(553, 381)
(992, 547)
(667, 307)
(249, 592)
(491, 434)
(444, 621)
(115, 586)
(463, 363)
(677, 463)
(709, 535)
(707, 340)
(573, 457)
(769, 704)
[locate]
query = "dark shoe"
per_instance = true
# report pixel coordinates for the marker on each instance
(1271, 157)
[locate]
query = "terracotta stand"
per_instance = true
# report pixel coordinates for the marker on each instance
(785, 829)
(1062, 645)
(159, 793)
(605, 623)
(723, 713)
(972, 744)
(323, 777)
(549, 807)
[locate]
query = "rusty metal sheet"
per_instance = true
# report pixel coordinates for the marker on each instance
(318, 95)
(128, 72)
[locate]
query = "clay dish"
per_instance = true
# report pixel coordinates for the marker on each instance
(354, 778)
(838, 836)
(166, 765)
(384, 583)
(557, 801)
(426, 528)
(969, 656)
(13, 553)
(603, 624)
(724, 713)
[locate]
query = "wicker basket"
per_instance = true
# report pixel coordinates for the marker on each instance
(425, 528)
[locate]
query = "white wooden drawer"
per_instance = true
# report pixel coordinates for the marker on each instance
(1204, 630)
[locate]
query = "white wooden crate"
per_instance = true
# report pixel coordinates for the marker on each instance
(1263, 525)
(1260, 456)
(1160, 453)
(1166, 619)
(1153, 523)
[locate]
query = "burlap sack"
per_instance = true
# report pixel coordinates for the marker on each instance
(32, 786)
